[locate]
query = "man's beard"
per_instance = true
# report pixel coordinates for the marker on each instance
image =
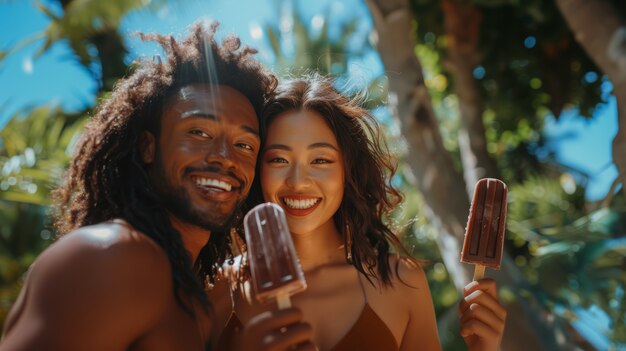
(178, 202)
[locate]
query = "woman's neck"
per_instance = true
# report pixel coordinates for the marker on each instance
(320, 247)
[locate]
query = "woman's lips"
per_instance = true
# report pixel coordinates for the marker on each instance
(300, 206)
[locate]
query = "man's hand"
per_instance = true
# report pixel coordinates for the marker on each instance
(276, 331)
(482, 316)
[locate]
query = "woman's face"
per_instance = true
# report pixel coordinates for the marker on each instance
(302, 170)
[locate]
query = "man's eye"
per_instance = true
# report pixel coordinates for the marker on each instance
(245, 146)
(200, 133)
(277, 160)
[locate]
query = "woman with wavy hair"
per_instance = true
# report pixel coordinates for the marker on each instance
(325, 163)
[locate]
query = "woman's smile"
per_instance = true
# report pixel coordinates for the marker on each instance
(300, 205)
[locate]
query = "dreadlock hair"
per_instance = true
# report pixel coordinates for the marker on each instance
(369, 196)
(107, 178)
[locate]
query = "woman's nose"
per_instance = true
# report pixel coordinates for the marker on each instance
(298, 177)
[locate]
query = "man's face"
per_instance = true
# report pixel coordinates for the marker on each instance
(205, 159)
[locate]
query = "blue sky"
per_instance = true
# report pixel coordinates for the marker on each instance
(586, 145)
(53, 78)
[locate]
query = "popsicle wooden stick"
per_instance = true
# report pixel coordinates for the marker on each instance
(283, 300)
(479, 271)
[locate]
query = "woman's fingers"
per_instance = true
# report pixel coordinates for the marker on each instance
(479, 329)
(277, 330)
(484, 293)
(480, 310)
(484, 299)
(275, 319)
(483, 315)
(286, 337)
(487, 285)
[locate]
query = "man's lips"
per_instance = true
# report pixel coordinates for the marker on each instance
(213, 182)
(212, 175)
(216, 187)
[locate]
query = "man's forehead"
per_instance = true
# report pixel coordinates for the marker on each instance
(214, 93)
(193, 90)
(203, 94)
(212, 101)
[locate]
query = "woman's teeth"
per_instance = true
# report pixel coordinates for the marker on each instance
(300, 204)
(213, 183)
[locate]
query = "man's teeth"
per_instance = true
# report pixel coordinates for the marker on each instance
(213, 183)
(300, 204)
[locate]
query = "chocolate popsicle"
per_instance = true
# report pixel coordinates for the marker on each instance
(275, 268)
(484, 234)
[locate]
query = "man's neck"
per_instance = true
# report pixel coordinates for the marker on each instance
(194, 238)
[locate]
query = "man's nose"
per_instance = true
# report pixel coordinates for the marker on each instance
(221, 152)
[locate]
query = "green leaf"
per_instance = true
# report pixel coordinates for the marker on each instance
(273, 34)
(41, 7)
(22, 197)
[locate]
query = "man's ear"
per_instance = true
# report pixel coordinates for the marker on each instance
(147, 147)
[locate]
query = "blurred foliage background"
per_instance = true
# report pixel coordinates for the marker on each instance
(571, 252)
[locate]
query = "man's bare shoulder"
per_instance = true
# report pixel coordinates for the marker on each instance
(108, 279)
(108, 234)
(114, 250)
(117, 243)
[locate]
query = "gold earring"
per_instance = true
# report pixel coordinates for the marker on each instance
(348, 244)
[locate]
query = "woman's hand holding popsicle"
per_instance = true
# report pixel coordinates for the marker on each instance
(482, 316)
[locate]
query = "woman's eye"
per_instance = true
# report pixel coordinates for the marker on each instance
(277, 160)
(319, 161)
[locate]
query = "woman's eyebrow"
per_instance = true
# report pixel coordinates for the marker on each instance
(312, 146)
(322, 145)
(278, 147)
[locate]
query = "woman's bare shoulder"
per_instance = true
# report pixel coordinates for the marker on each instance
(409, 278)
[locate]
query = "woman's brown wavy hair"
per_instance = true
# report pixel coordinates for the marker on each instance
(107, 178)
(369, 196)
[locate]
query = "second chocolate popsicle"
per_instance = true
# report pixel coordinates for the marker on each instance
(275, 268)
(484, 234)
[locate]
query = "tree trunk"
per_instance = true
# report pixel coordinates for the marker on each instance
(440, 183)
(601, 31)
(442, 186)
(462, 23)
(111, 52)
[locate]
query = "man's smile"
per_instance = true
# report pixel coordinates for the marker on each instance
(206, 182)
(217, 188)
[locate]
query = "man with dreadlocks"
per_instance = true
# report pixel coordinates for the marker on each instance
(161, 172)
